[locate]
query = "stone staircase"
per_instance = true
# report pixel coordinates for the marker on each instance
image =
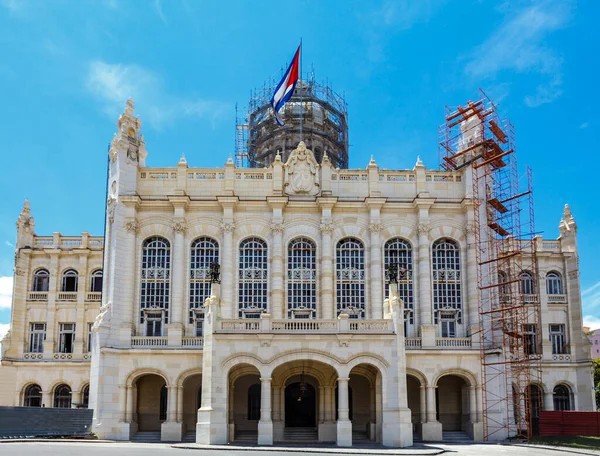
(360, 437)
(146, 437)
(456, 437)
(417, 437)
(246, 437)
(189, 437)
(300, 434)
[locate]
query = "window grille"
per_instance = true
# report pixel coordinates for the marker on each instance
(70, 280)
(557, 338)
(350, 277)
(302, 278)
(447, 293)
(41, 280)
(33, 396)
(37, 336)
(562, 398)
(554, 283)
(527, 285)
(204, 252)
(96, 282)
(399, 251)
(66, 337)
(62, 396)
(253, 275)
(156, 276)
(154, 324)
(530, 339)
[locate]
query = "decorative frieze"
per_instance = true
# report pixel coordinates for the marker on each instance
(132, 226)
(423, 228)
(180, 227)
(276, 227)
(327, 228)
(228, 227)
(376, 227)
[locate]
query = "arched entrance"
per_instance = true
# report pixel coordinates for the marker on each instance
(453, 404)
(364, 403)
(300, 405)
(533, 397)
(244, 403)
(192, 401)
(151, 402)
(413, 393)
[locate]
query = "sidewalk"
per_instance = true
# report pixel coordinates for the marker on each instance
(421, 450)
(562, 449)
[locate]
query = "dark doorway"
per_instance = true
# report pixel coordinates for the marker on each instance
(300, 405)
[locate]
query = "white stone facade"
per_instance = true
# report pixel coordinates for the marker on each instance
(320, 332)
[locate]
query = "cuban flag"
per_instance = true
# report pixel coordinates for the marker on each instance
(285, 88)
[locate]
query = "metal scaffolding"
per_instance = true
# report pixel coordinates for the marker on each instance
(475, 136)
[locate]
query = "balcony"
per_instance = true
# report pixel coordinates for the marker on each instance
(557, 299)
(66, 296)
(453, 342)
(193, 342)
(266, 325)
(530, 299)
(412, 343)
(37, 296)
(148, 342)
(93, 296)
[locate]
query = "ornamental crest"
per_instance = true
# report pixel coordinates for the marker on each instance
(301, 172)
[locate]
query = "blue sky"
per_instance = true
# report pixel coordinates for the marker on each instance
(67, 67)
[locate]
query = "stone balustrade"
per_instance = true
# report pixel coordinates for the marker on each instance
(37, 296)
(147, 342)
(92, 296)
(306, 326)
(453, 342)
(557, 299)
(66, 296)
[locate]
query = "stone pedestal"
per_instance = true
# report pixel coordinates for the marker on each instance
(396, 430)
(171, 431)
(432, 432)
(327, 432)
(265, 433)
(211, 428)
(475, 431)
(344, 433)
(428, 336)
(278, 427)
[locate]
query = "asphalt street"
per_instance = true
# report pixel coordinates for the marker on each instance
(141, 449)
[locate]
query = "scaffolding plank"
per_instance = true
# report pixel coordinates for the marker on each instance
(498, 229)
(498, 205)
(498, 133)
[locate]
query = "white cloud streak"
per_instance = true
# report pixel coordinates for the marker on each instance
(6, 289)
(113, 84)
(518, 45)
(4, 327)
(159, 11)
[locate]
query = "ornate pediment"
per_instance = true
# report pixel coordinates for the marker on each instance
(302, 172)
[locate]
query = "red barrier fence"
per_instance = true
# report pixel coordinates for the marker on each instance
(569, 423)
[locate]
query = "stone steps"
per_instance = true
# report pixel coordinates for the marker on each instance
(246, 437)
(146, 436)
(189, 437)
(456, 436)
(300, 434)
(360, 437)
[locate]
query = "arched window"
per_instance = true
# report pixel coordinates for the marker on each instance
(41, 280)
(399, 251)
(504, 287)
(62, 396)
(447, 293)
(203, 253)
(350, 277)
(85, 396)
(554, 283)
(155, 284)
(302, 278)
(70, 279)
(562, 398)
(33, 396)
(96, 281)
(527, 284)
(254, 393)
(253, 275)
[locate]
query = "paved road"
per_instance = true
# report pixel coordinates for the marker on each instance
(140, 449)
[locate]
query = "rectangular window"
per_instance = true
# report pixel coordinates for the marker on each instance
(89, 337)
(154, 324)
(557, 338)
(199, 327)
(530, 340)
(37, 336)
(66, 337)
(448, 325)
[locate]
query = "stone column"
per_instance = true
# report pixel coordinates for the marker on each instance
(431, 408)
(180, 404)
(423, 403)
(327, 304)
(424, 261)
(375, 273)
(47, 399)
(471, 304)
(548, 401)
(432, 429)
(172, 403)
(129, 411)
(277, 271)
(175, 328)
(278, 417)
(344, 425)
(122, 403)
(473, 404)
(75, 398)
(171, 430)
(131, 309)
(265, 425)
(321, 404)
(227, 268)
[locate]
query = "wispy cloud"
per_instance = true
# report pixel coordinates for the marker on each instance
(159, 11)
(6, 289)
(4, 327)
(519, 45)
(112, 84)
(10, 244)
(591, 306)
(12, 5)
(584, 125)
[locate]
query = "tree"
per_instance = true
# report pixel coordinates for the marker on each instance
(596, 366)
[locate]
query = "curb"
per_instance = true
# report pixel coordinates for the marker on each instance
(562, 449)
(321, 450)
(38, 440)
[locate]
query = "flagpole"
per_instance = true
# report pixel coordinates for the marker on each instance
(301, 91)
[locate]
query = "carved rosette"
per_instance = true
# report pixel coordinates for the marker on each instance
(228, 227)
(423, 228)
(376, 228)
(132, 226)
(180, 227)
(276, 227)
(326, 228)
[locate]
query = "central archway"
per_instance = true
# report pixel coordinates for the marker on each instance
(300, 405)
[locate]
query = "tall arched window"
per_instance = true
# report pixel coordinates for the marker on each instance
(155, 284)
(447, 293)
(253, 275)
(85, 396)
(41, 280)
(504, 287)
(527, 284)
(33, 396)
(302, 278)
(70, 280)
(562, 398)
(203, 253)
(399, 251)
(350, 277)
(62, 396)
(96, 281)
(554, 283)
